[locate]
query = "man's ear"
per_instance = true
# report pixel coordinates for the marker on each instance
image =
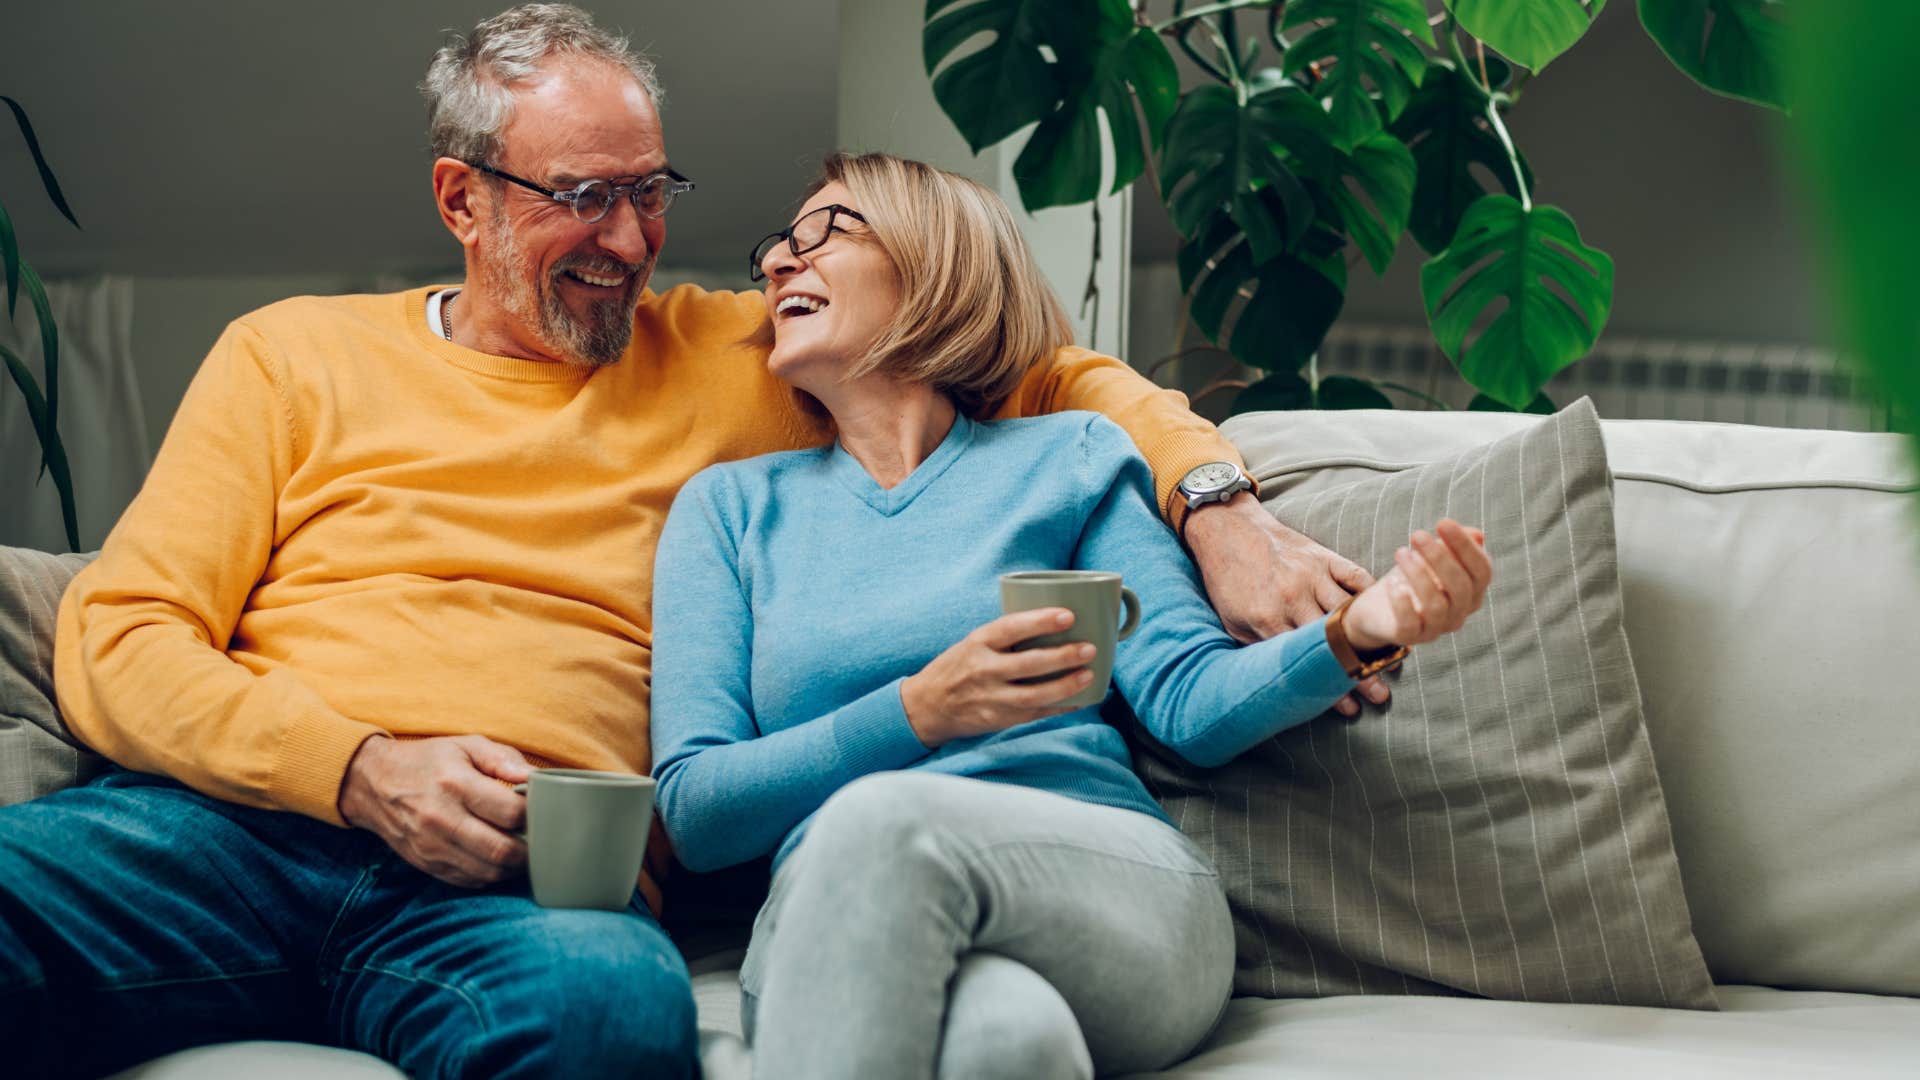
(454, 192)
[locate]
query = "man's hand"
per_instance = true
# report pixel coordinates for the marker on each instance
(441, 804)
(1265, 579)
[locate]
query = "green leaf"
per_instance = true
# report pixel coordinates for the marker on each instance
(1100, 61)
(1219, 150)
(1529, 32)
(1347, 392)
(1293, 306)
(40, 161)
(1281, 390)
(1541, 405)
(1742, 53)
(1850, 71)
(53, 454)
(1373, 58)
(1289, 305)
(1445, 126)
(1557, 293)
(49, 336)
(1384, 170)
(10, 254)
(992, 93)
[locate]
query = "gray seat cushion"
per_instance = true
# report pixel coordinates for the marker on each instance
(1758, 1032)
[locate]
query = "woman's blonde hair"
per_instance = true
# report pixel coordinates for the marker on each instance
(975, 312)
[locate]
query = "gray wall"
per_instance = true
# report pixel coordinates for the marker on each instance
(228, 154)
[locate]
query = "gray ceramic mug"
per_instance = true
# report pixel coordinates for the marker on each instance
(1095, 597)
(586, 836)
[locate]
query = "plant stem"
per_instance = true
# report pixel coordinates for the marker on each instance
(1493, 115)
(1180, 38)
(1513, 155)
(1092, 295)
(1180, 16)
(1411, 392)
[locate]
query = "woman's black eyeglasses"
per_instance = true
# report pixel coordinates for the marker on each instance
(590, 200)
(802, 236)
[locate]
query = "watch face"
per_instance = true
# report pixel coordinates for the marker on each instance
(1212, 476)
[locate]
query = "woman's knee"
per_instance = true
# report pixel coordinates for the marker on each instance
(880, 816)
(1006, 1021)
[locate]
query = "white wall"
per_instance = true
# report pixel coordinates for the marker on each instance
(886, 104)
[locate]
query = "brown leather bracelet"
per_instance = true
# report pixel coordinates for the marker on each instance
(1356, 666)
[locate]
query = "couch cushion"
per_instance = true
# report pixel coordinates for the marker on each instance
(1771, 579)
(252, 1060)
(1758, 1032)
(37, 756)
(1499, 829)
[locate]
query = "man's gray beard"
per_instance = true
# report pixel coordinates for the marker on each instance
(597, 341)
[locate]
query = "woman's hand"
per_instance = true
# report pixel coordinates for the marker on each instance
(970, 690)
(1436, 582)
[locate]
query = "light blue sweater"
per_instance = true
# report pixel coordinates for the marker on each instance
(793, 594)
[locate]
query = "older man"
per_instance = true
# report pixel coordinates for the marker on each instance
(397, 550)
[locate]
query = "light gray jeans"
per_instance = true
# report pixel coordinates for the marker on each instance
(931, 925)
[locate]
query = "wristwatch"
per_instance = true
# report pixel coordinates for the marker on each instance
(1215, 481)
(1358, 665)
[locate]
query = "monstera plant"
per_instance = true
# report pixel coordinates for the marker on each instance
(1319, 132)
(43, 408)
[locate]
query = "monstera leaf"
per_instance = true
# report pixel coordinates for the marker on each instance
(1222, 153)
(1062, 63)
(1739, 54)
(1291, 301)
(1367, 42)
(1445, 125)
(1383, 169)
(1557, 294)
(1529, 32)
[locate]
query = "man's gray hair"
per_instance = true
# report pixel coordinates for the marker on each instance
(469, 85)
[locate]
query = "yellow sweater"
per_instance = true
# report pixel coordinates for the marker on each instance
(355, 527)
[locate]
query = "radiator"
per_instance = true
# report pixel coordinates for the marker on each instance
(1638, 378)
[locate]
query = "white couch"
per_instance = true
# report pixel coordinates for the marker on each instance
(1772, 583)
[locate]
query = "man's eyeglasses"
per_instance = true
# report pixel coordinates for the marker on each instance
(591, 200)
(802, 236)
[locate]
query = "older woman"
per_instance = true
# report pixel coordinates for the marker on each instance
(969, 879)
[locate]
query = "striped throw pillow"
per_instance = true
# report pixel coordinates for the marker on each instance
(1498, 829)
(37, 755)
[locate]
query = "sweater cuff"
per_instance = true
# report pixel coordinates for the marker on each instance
(311, 763)
(1174, 456)
(1316, 671)
(872, 734)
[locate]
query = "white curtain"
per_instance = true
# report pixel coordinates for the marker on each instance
(102, 422)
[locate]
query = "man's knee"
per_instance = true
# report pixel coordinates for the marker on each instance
(613, 999)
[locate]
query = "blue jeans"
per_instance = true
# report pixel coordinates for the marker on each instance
(138, 917)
